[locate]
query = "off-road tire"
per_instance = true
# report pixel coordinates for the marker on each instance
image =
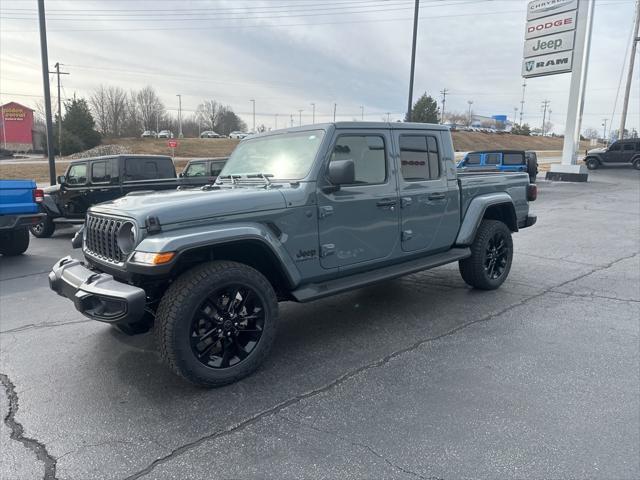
(14, 242)
(473, 269)
(179, 305)
(592, 163)
(44, 229)
(532, 169)
(636, 164)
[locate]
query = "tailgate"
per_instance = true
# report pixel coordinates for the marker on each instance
(16, 196)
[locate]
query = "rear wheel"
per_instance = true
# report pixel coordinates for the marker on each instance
(44, 229)
(592, 163)
(636, 164)
(14, 242)
(491, 254)
(216, 323)
(532, 168)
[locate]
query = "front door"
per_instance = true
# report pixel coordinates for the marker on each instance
(429, 202)
(195, 174)
(614, 154)
(359, 222)
(74, 193)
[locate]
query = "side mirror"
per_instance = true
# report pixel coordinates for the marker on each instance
(61, 179)
(181, 174)
(342, 172)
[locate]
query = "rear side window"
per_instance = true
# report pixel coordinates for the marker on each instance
(216, 168)
(100, 172)
(368, 155)
(147, 169)
(196, 170)
(493, 159)
(77, 174)
(513, 159)
(629, 146)
(473, 159)
(419, 158)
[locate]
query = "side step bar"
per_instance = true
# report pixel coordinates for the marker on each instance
(314, 291)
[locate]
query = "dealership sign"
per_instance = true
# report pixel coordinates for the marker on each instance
(549, 25)
(560, 42)
(544, 8)
(547, 64)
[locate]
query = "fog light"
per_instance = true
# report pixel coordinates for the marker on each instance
(147, 258)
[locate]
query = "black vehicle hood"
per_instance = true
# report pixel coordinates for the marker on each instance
(174, 206)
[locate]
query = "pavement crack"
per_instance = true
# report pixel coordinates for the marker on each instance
(358, 444)
(24, 276)
(17, 431)
(37, 326)
(239, 426)
(593, 295)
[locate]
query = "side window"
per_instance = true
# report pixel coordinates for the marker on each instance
(368, 155)
(100, 172)
(196, 170)
(493, 159)
(419, 158)
(216, 168)
(473, 159)
(147, 169)
(512, 159)
(77, 174)
(629, 146)
(615, 147)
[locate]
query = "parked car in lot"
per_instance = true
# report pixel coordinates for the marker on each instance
(501, 160)
(210, 134)
(165, 134)
(621, 151)
(100, 179)
(297, 214)
(238, 135)
(149, 134)
(19, 209)
(201, 171)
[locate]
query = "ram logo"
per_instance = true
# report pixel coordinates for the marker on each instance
(529, 66)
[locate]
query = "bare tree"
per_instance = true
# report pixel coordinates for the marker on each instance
(98, 104)
(149, 107)
(591, 132)
(208, 114)
(116, 109)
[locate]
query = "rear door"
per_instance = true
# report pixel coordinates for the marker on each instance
(359, 222)
(195, 174)
(147, 173)
(105, 184)
(628, 151)
(429, 203)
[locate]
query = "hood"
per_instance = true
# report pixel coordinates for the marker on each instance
(174, 206)
(597, 150)
(51, 189)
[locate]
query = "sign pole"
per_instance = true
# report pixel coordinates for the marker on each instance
(577, 89)
(47, 93)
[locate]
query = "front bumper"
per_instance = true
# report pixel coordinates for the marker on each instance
(97, 295)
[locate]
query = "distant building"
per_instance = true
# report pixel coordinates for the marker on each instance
(16, 127)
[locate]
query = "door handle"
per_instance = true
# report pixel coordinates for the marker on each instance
(437, 196)
(387, 203)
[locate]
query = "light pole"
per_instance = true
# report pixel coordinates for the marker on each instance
(470, 102)
(524, 86)
(335, 105)
(313, 115)
(413, 58)
(604, 132)
(254, 115)
(276, 121)
(362, 112)
(179, 115)
(47, 92)
(300, 120)
(291, 120)
(515, 114)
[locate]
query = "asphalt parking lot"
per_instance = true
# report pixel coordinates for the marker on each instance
(420, 377)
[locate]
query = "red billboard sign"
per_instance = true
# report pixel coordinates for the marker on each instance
(172, 143)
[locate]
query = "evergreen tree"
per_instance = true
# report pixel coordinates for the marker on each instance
(78, 128)
(425, 110)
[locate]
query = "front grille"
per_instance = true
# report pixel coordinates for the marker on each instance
(101, 238)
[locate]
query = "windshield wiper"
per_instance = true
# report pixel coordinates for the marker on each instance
(264, 176)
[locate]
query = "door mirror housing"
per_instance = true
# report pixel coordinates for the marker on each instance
(342, 172)
(181, 174)
(61, 179)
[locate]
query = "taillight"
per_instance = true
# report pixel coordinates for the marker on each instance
(38, 195)
(532, 192)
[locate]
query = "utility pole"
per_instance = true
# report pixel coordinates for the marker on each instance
(604, 132)
(388, 117)
(276, 121)
(545, 105)
(625, 103)
(313, 115)
(254, 115)
(362, 112)
(58, 73)
(515, 114)
(335, 106)
(524, 86)
(179, 115)
(413, 58)
(291, 121)
(470, 102)
(444, 101)
(300, 120)
(47, 92)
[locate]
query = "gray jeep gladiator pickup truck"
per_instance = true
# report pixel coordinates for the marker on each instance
(296, 214)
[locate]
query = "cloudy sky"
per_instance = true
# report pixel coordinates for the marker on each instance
(287, 54)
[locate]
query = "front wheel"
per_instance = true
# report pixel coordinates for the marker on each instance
(592, 163)
(216, 323)
(491, 254)
(44, 229)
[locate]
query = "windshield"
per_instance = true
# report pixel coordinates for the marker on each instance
(286, 157)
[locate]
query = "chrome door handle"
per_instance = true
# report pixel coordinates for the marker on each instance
(437, 196)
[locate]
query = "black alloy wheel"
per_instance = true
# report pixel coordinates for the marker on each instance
(496, 256)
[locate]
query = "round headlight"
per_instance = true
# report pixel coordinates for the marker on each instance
(126, 237)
